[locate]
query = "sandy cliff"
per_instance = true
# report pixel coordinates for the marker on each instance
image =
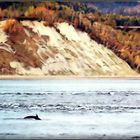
(35, 49)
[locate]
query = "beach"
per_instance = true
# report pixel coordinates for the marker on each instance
(61, 77)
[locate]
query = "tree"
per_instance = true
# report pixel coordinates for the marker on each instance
(29, 11)
(75, 22)
(10, 26)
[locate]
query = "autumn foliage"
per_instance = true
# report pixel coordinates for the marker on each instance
(101, 28)
(10, 26)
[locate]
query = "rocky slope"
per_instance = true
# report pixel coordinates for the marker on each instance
(31, 48)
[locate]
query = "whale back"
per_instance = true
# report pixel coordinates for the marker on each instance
(32, 117)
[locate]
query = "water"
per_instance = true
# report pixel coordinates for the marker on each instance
(70, 108)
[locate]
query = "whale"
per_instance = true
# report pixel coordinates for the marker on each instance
(32, 117)
(111, 93)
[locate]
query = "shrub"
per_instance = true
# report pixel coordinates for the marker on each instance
(10, 26)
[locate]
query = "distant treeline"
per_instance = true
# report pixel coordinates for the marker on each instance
(69, 0)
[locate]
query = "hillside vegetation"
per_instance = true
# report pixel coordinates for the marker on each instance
(125, 44)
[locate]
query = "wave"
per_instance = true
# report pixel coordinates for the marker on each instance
(73, 93)
(69, 101)
(26, 93)
(4, 134)
(69, 108)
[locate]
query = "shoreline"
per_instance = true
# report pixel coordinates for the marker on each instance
(59, 77)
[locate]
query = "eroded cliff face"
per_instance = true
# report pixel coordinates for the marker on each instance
(35, 49)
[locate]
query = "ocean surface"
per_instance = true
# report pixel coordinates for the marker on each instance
(70, 108)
